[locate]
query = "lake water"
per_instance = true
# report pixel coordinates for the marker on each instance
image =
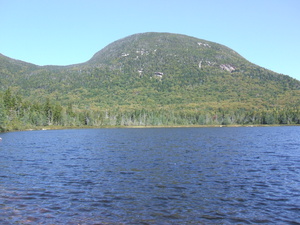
(245, 175)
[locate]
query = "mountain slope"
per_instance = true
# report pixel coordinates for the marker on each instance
(151, 70)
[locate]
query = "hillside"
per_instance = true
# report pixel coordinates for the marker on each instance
(155, 71)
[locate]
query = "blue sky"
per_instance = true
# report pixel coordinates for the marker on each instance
(64, 32)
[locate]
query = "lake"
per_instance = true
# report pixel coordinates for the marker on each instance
(236, 175)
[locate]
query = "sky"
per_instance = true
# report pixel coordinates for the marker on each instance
(64, 32)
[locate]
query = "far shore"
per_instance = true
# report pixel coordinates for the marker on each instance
(53, 127)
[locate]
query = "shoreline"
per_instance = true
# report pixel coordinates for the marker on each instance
(41, 128)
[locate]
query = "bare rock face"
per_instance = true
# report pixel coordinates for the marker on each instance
(227, 67)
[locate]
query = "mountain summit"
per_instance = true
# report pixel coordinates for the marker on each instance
(161, 48)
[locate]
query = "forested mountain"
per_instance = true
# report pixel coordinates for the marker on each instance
(160, 78)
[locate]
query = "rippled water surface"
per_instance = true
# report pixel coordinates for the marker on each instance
(240, 175)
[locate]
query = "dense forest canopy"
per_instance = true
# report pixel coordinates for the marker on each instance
(148, 79)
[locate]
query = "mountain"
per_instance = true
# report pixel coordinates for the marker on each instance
(155, 71)
(187, 70)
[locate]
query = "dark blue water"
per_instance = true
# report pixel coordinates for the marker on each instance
(247, 175)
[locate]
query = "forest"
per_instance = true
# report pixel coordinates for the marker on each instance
(19, 114)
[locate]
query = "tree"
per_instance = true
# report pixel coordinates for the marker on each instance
(57, 114)
(48, 111)
(2, 116)
(8, 100)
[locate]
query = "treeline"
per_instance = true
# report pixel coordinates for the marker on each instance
(19, 114)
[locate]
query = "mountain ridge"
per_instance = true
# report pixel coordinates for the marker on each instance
(98, 56)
